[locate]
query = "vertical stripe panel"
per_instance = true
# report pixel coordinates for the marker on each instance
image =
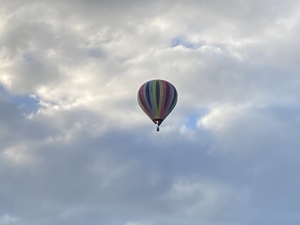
(157, 98)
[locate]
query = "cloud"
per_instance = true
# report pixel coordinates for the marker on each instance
(75, 148)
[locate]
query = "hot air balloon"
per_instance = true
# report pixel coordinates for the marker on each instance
(157, 98)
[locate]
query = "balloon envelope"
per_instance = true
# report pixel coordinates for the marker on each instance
(157, 98)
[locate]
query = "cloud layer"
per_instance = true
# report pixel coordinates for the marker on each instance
(75, 148)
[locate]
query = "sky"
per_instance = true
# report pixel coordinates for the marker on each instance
(76, 148)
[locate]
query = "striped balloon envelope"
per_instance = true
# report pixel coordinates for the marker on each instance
(157, 98)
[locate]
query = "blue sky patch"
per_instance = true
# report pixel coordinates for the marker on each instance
(192, 119)
(2, 90)
(29, 103)
(182, 40)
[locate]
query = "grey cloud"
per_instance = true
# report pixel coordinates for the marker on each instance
(84, 157)
(100, 175)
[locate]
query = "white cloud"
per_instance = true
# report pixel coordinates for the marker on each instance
(89, 154)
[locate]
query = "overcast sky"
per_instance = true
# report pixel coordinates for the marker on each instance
(76, 148)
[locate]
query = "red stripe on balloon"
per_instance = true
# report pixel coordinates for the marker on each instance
(143, 101)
